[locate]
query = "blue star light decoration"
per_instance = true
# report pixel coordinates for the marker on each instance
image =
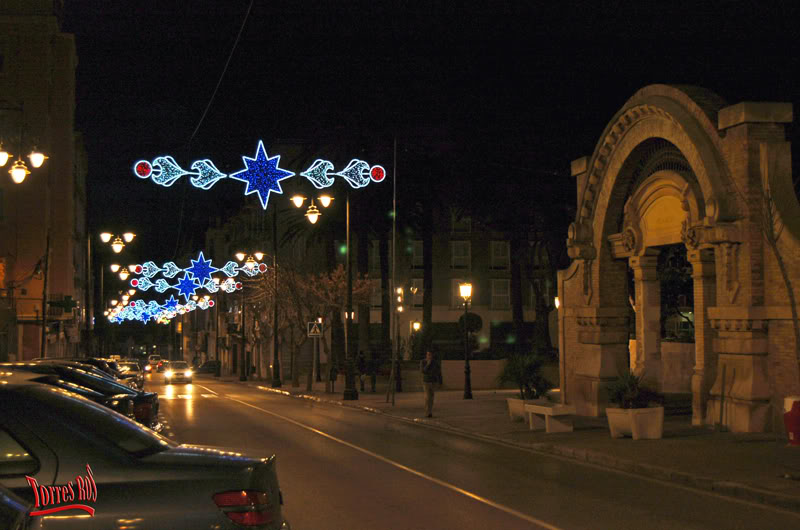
(262, 175)
(187, 286)
(201, 269)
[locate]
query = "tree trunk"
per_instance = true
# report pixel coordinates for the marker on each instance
(517, 310)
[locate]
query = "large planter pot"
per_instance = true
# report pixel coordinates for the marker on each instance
(641, 424)
(515, 408)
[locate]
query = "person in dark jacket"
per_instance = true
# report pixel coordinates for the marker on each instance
(431, 376)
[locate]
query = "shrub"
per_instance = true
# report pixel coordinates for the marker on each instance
(525, 371)
(629, 392)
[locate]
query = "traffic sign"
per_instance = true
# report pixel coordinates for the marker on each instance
(314, 329)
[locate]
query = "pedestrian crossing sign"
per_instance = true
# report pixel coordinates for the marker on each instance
(314, 329)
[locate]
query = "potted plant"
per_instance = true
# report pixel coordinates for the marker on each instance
(634, 413)
(525, 372)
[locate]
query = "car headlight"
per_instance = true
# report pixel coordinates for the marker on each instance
(168, 373)
(188, 373)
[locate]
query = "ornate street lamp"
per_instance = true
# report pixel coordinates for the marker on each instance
(465, 290)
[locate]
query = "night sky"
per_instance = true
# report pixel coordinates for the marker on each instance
(529, 86)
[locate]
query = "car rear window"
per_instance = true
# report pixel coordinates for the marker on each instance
(178, 365)
(47, 407)
(107, 386)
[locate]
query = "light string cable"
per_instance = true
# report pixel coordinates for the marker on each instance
(203, 117)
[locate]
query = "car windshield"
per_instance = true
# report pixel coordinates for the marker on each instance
(178, 365)
(155, 358)
(44, 407)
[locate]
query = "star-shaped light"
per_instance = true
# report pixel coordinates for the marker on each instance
(186, 286)
(171, 304)
(201, 269)
(262, 175)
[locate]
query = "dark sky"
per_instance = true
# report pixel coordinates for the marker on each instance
(531, 85)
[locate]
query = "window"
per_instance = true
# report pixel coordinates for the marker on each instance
(416, 254)
(416, 299)
(460, 254)
(375, 298)
(15, 459)
(461, 223)
(501, 294)
(500, 255)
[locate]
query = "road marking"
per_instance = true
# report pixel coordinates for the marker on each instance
(201, 386)
(398, 465)
(209, 395)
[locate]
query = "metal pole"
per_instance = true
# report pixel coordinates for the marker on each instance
(242, 355)
(350, 392)
(467, 381)
(44, 294)
(276, 360)
(102, 309)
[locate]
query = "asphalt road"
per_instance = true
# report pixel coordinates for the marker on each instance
(341, 468)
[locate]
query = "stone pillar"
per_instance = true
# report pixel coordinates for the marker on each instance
(603, 338)
(705, 295)
(742, 347)
(647, 360)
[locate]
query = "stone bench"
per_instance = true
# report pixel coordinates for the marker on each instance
(553, 418)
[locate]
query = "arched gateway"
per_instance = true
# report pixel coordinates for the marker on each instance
(677, 166)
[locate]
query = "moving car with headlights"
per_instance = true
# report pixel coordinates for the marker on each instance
(138, 478)
(178, 371)
(145, 404)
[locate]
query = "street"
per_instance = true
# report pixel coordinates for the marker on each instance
(342, 468)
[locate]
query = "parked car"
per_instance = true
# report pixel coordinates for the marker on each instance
(137, 475)
(145, 404)
(208, 367)
(162, 365)
(14, 512)
(131, 372)
(178, 371)
(77, 364)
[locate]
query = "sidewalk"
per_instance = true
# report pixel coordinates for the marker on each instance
(755, 467)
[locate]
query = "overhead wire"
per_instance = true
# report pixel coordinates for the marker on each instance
(203, 117)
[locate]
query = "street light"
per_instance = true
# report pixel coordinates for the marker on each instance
(117, 243)
(250, 264)
(312, 214)
(124, 273)
(465, 290)
(18, 169)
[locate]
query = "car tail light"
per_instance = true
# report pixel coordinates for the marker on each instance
(142, 411)
(245, 507)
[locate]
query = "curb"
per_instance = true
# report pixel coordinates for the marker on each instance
(722, 487)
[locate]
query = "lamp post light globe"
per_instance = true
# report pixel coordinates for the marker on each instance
(259, 255)
(465, 290)
(37, 158)
(325, 200)
(117, 245)
(298, 200)
(123, 274)
(115, 267)
(240, 256)
(4, 155)
(18, 172)
(105, 237)
(128, 236)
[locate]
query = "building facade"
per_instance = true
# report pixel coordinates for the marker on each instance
(43, 218)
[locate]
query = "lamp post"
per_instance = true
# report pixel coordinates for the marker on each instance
(465, 290)
(250, 263)
(117, 244)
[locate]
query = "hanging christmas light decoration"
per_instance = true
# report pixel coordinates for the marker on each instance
(261, 174)
(152, 310)
(195, 277)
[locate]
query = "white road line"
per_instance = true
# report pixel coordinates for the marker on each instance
(398, 465)
(201, 386)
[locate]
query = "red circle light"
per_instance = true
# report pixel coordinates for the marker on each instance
(137, 269)
(262, 268)
(211, 303)
(143, 169)
(238, 285)
(134, 282)
(377, 173)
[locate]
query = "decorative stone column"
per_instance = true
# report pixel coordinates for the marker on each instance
(647, 360)
(603, 335)
(705, 295)
(741, 389)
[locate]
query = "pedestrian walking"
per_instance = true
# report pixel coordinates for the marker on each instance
(431, 376)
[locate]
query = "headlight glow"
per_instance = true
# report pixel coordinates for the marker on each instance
(187, 373)
(168, 373)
